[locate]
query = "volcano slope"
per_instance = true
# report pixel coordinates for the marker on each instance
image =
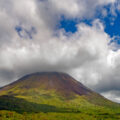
(54, 96)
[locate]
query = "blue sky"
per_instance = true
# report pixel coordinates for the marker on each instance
(111, 22)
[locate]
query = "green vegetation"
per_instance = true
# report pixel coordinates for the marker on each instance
(5, 115)
(50, 106)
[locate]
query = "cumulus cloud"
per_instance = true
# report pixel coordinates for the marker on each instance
(79, 8)
(31, 43)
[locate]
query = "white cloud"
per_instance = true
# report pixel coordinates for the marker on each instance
(58, 53)
(79, 8)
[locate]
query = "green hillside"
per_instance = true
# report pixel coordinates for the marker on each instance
(54, 96)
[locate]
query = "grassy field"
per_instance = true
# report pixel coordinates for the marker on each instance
(48, 106)
(6, 115)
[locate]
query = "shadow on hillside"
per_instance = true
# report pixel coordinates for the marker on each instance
(20, 105)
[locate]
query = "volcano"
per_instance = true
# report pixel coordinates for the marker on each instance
(52, 92)
(63, 84)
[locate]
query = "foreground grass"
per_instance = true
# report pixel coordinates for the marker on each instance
(45, 105)
(6, 115)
